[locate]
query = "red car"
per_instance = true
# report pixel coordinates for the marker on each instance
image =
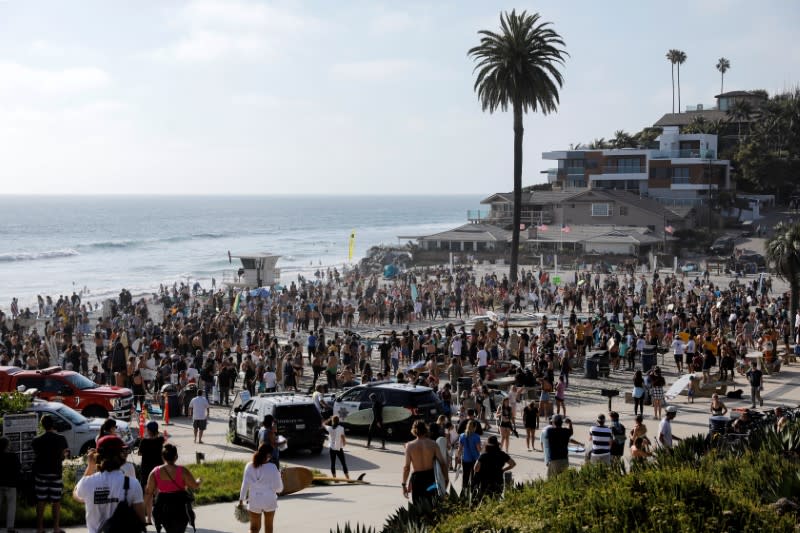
(72, 389)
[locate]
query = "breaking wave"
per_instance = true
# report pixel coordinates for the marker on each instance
(34, 256)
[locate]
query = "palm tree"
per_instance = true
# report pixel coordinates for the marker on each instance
(622, 139)
(680, 60)
(783, 250)
(740, 111)
(519, 67)
(598, 144)
(722, 66)
(672, 57)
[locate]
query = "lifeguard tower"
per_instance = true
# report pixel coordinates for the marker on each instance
(257, 270)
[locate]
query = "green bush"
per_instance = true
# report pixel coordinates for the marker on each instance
(701, 485)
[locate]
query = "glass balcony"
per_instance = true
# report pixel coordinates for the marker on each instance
(624, 170)
(684, 154)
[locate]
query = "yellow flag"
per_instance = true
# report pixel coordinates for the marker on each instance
(351, 245)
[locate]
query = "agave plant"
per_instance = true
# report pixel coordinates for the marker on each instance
(358, 528)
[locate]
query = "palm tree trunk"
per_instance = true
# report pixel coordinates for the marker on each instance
(721, 82)
(517, 214)
(679, 87)
(673, 87)
(794, 296)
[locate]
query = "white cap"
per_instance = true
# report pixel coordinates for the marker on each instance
(672, 409)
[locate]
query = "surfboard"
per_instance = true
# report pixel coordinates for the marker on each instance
(678, 387)
(576, 449)
(391, 415)
(341, 480)
(295, 479)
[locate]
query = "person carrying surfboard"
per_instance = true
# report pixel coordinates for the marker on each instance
(421, 453)
(376, 427)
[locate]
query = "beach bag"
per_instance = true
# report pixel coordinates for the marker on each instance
(124, 519)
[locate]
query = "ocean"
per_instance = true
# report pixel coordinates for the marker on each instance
(54, 245)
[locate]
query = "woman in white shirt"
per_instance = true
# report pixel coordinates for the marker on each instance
(336, 442)
(261, 484)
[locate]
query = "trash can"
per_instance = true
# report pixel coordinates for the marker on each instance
(718, 425)
(648, 357)
(464, 384)
(186, 396)
(169, 393)
(590, 368)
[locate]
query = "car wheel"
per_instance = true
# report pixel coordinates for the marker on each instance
(95, 411)
(317, 450)
(88, 445)
(235, 439)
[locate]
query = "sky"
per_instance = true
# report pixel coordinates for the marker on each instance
(339, 97)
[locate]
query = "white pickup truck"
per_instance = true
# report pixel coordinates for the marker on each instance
(79, 431)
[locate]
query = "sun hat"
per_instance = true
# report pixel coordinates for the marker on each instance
(111, 443)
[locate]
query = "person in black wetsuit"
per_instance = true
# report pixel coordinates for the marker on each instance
(376, 427)
(421, 453)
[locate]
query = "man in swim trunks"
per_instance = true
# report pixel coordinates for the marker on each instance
(421, 454)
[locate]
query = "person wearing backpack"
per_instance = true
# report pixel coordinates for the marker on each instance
(618, 437)
(114, 502)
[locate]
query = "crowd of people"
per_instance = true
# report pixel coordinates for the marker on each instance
(215, 342)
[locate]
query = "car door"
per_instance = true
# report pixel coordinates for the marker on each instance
(62, 392)
(241, 420)
(253, 419)
(348, 403)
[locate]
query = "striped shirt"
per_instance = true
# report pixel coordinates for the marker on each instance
(601, 440)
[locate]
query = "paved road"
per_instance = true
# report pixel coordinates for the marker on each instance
(320, 508)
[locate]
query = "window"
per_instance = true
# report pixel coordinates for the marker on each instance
(659, 173)
(680, 175)
(601, 210)
(680, 172)
(623, 210)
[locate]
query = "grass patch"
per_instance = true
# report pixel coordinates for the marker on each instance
(221, 481)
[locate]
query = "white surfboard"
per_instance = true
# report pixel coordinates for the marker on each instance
(391, 415)
(678, 387)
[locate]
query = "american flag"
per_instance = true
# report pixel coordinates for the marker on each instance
(565, 229)
(541, 227)
(522, 227)
(669, 229)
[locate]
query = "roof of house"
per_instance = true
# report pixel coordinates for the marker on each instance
(633, 199)
(533, 197)
(480, 232)
(684, 119)
(737, 93)
(598, 234)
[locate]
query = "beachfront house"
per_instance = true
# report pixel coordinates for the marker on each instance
(478, 237)
(682, 171)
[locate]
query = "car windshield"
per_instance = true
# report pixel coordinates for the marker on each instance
(72, 415)
(80, 382)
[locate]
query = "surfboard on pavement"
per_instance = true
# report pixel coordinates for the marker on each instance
(678, 387)
(295, 479)
(391, 415)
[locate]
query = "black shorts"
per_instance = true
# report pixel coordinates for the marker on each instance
(679, 358)
(48, 487)
(199, 424)
(423, 485)
(688, 358)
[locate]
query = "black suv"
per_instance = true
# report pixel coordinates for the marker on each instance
(297, 418)
(422, 402)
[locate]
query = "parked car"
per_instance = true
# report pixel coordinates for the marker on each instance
(422, 403)
(690, 267)
(72, 389)
(79, 431)
(297, 418)
(723, 246)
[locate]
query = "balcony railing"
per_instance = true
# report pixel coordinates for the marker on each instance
(684, 154)
(624, 170)
(503, 218)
